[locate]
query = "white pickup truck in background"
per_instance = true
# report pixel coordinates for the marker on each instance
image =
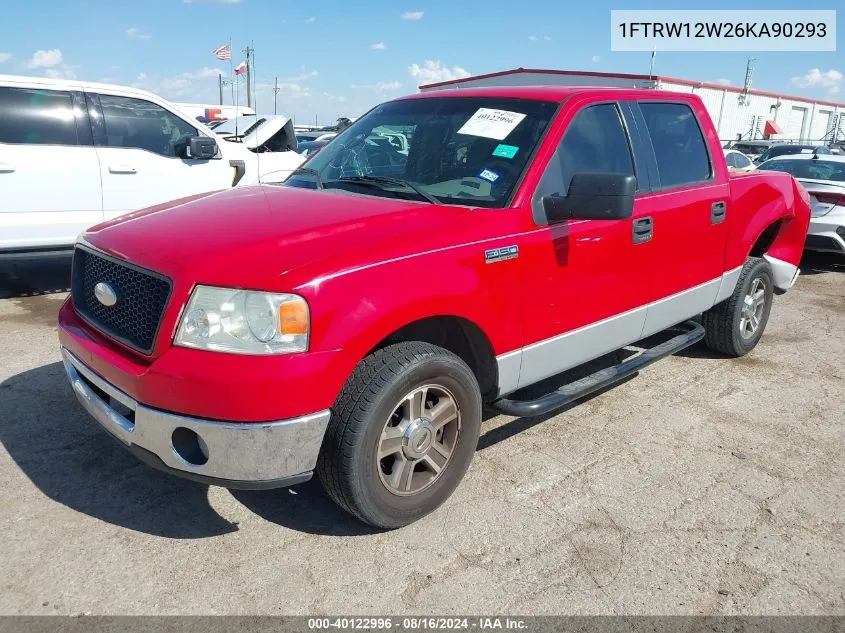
(73, 154)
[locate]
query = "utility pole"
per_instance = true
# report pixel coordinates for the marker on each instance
(749, 74)
(275, 95)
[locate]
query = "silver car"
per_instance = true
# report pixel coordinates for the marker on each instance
(824, 178)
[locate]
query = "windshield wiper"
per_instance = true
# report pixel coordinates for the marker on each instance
(311, 172)
(387, 180)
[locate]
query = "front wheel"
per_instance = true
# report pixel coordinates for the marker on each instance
(402, 434)
(734, 326)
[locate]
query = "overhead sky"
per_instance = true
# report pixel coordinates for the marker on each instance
(336, 58)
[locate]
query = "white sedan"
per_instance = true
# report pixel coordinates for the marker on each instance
(737, 161)
(823, 176)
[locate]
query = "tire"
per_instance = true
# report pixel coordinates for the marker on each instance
(383, 407)
(728, 325)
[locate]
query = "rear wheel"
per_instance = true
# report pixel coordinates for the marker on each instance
(402, 434)
(734, 326)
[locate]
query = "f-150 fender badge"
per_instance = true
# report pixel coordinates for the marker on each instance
(501, 254)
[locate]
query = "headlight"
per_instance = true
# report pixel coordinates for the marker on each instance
(244, 322)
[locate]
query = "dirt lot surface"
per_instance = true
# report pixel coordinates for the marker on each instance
(703, 485)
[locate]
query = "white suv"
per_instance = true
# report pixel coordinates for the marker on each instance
(73, 154)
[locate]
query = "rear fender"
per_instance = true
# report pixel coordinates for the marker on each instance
(761, 200)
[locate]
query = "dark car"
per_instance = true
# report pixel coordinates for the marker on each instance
(791, 148)
(309, 148)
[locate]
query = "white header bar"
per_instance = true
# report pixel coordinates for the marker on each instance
(742, 31)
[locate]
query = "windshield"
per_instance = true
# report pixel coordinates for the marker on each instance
(812, 169)
(458, 150)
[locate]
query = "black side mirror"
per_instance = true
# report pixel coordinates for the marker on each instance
(593, 196)
(201, 148)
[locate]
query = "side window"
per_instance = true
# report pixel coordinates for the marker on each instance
(594, 141)
(36, 117)
(730, 159)
(135, 123)
(679, 147)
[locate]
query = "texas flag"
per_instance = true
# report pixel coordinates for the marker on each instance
(240, 69)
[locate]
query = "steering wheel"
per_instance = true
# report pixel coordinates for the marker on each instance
(374, 151)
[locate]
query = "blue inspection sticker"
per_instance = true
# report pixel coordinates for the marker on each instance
(489, 175)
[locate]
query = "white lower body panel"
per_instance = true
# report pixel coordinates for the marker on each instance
(551, 356)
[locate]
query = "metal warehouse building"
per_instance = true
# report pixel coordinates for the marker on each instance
(737, 113)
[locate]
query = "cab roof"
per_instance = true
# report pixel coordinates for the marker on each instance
(548, 93)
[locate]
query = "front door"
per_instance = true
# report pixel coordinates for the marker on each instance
(142, 156)
(584, 292)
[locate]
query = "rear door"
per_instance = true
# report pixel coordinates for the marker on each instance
(689, 209)
(49, 174)
(140, 146)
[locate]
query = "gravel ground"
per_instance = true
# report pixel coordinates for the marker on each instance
(701, 486)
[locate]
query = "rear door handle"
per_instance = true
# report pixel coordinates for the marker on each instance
(6, 168)
(122, 169)
(643, 230)
(718, 212)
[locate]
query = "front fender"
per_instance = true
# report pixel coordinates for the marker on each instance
(355, 310)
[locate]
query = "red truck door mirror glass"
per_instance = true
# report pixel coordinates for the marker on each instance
(593, 196)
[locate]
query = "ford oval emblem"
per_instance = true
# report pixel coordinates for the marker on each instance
(105, 294)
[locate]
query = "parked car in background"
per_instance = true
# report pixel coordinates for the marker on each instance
(213, 112)
(309, 148)
(260, 133)
(824, 179)
(785, 149)
(752, 149)
(354, 320)
(737, 161)
(73, 154)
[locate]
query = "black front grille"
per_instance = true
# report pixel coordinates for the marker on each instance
(141, 298)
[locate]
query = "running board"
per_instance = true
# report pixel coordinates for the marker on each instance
(691, 334)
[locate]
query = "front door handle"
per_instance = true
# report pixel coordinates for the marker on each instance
(6, 168)
(718, 212)
(122, 169)
(643, 230)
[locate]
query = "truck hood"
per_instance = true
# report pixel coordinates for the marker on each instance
(252, 237)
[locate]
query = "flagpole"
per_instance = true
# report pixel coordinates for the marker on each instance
(231, 70)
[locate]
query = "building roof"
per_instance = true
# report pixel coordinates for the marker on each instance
(554, 93)
(584, 73)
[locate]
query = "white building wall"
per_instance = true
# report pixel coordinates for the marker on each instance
(732, 118)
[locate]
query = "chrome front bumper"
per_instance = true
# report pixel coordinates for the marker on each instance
(235, 455)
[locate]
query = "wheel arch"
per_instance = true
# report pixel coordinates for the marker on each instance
(765, 239)
(461, 336)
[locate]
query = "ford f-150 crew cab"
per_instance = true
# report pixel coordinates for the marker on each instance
(352, 321)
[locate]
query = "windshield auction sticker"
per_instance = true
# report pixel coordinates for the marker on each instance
(495, 124)
(707, 30)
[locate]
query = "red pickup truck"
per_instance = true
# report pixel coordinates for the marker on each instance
(446, 250)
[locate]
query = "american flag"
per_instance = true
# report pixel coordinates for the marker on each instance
(223, 53)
